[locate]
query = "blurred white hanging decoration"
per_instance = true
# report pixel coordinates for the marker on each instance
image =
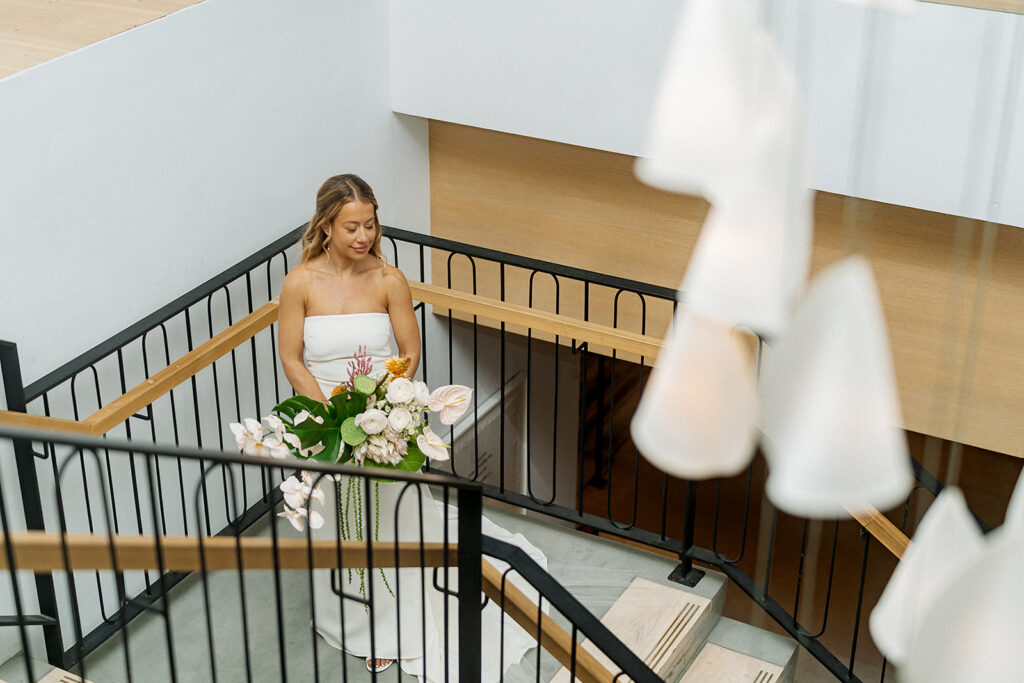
(829, 406)
(728, 124)
(947, 542)
(698, 414)
(705, 100)
(972, 631)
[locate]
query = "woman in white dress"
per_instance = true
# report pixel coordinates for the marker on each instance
(342, 299)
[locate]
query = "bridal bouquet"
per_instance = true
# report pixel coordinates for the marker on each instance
(373, 422)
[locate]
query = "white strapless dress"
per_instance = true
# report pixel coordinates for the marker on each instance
(411, 628)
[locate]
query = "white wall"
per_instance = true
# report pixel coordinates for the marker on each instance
(136, 168)
(584, 72)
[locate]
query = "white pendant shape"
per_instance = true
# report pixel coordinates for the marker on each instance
(830, 411)
(697, 416)
(972, 631)
(945, 545)
(705, 98)
(750, 263)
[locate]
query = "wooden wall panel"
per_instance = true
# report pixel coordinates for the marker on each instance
(956, 324)
(33, 32)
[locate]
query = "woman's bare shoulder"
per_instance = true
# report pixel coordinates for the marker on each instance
(393, 278)
(298, 280)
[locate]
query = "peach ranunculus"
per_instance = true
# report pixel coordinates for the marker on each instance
(396, 366)
(451, 402)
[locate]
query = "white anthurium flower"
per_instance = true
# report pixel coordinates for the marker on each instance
(295, 492)
(303, 415)
(421, 394)
(451, 402)
(297, 517)
(399, 418)
(311, 451)
(400, 391)
(432, 445)
(372, 421)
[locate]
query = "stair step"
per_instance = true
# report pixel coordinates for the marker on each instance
(775, 654)
(720, 664)
(662, 624)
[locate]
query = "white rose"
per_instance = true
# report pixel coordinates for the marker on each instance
(372, 421)
(421, 394)
(399, 391)
(400, 418)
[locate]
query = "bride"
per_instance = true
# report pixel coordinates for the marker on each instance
(343, 300)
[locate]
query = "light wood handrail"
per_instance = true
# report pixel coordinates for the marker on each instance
(1014, 6)
(49, 424)
(123, 407)
(44, 552)
(553, 637)
(879, 526)
(552, 323)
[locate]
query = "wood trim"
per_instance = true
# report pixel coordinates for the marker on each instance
(43, 552)
(120, 409)
(1015, 6)
(553, 637)
(879, 526)
(553, 323)
(51, 424)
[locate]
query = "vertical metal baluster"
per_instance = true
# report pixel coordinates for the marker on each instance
(470, 512)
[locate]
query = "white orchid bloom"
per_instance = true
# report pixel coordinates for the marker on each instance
(372, 421)
(399, 391)
(316, 520)
(276, 426)
(311, 451)
(451, 402)
(292, 440)
(421, 394)
(248, 435)
(304, 415)
(297, 517)
(274, 448)
(432, 445)
(308, 478)
(399, 418)
(295, 492)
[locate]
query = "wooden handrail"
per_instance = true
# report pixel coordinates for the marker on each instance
(44, 552)
(1014, 6)
(553, 637)
(552, 323)
(879, 526)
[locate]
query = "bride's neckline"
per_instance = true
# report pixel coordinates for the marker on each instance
(344, 315)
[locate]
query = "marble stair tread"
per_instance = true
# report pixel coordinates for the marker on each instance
(774, 649)
(720, 664)
(664, 625)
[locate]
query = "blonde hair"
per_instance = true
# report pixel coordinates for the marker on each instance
(336, 192)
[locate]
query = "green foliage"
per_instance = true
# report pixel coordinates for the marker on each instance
(351, 434)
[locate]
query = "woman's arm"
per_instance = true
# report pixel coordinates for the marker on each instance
(403, 318)
(291, 317)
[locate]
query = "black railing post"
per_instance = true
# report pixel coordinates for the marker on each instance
(686, 573)
(470, 511)
(14, 392)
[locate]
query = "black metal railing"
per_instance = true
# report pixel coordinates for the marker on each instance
(259, 617)
(548, 432)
